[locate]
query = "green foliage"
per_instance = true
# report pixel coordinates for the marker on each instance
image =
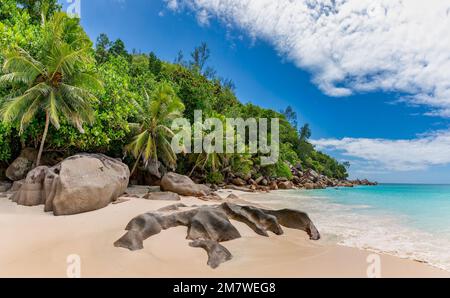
(5, 142)
(16, 28)
(109, 132)
(241, 165)
(104, 48)
(282, 170)
(154, 64)
(39, 8)
(288, 154)
(214, 177)
(278, 170)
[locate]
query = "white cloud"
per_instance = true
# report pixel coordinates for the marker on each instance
(203, 18)
(397, 155)
(172, 4)
(351, 46)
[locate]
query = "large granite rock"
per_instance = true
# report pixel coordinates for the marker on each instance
(81, 183)
(209, 225)
(183, 185)
(32, 189)
(20, 167)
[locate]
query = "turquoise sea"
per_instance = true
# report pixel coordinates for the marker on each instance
(405, 220)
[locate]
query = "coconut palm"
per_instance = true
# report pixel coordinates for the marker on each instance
(208, 159)
(153, 142)
(211, 160)
(54, 83)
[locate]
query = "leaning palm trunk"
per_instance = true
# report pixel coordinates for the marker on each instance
(44, 136)
(136, 163)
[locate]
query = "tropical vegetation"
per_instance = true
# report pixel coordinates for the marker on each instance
(61, 93)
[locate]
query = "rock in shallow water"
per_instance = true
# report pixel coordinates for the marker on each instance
(81, 183)
(210, 225)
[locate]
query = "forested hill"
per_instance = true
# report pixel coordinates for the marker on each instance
(128, 80)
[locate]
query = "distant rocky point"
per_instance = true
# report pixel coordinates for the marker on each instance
(308, 179)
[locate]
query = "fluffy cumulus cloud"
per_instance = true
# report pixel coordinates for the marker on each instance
(351, 46)
(397, 155)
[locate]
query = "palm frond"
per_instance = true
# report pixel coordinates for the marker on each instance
(63, 59)
(86, 81)
(135, 147)
(13, 109)
(149, 149)
(20, 61)
(29, 114)
(16, 77)
(52, 109)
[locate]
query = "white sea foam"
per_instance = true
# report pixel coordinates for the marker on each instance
(359, 226)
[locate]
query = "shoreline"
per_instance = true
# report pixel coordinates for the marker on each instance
(37, 244)
(340, 243)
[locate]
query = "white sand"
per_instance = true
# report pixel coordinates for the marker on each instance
(37, 244)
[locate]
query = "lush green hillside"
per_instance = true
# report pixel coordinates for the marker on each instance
(128, 79)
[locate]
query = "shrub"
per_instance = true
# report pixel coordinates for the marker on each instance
(214, 178)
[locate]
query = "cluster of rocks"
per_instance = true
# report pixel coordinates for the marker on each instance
(208, 226)
(80, 183)
(308, 179)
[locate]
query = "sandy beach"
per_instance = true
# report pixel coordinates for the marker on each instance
(37, 244)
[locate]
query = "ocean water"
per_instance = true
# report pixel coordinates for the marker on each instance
(408, 221)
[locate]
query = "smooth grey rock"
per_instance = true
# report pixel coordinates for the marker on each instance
(162, 196)
(183, 185)
(20, 167)
(81, 183)
(255, 218)
(209, 225)
(5, 186)
(174, 207)
(295, 219)
(217, 253)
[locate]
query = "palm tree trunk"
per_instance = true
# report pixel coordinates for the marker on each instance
(193, 169)
(136, 163)
(44, 136)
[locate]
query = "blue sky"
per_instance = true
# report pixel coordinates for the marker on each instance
(384, 128)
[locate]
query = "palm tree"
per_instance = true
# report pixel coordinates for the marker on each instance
(210, 159)
(55, 83)
(156, 112)
(213, 160)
